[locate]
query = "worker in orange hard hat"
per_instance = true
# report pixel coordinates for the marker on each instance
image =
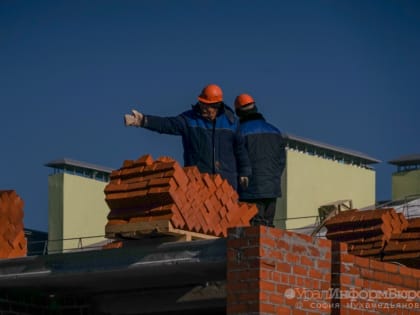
(210, 101)
(265, 147)
(210, 136)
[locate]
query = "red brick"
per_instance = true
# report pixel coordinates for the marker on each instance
(165, 159)
(247, 212)
(323, 243)
(132, 172)
(268, 242)
(283, 267)
(203, 222)
(324, 264)
(298, 270)
(267, 285)
(292, 257)
(413, 224)
(115, 174)
(307, 261)
(231, 206)
(208, 181)
(409, 282)
(227, 188)
(163, 181)
(209, 206)
(180, 177)
(192, 191)
(144, 160)
(216, 203)
(376, 265)
(222, 213)
(391, 268)
(192, 173)
(283, 311)
(164, 166)
(114, 187)
(186, 214)
(395, 279)
(217, 179)
(267, 308)
(137, 185)
(128, 163)
(346, 279)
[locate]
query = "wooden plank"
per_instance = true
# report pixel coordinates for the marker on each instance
(142, 229)
(190, 235)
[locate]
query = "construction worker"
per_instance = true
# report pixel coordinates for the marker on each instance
(265, 146)
(210, 136)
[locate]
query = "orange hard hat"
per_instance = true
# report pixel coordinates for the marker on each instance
(212, 93)
(243, 100)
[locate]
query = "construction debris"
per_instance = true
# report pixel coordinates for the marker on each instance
(12, 236)
(161, 197)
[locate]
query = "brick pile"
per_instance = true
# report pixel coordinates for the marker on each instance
(381, 234)
(12, 236)
(148, 191)
(405, 247)
(366, 232)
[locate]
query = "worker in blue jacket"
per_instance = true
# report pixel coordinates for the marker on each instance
(210, 136)
(266, 151)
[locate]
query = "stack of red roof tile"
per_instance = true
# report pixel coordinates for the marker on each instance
(365, 232)
(12, 236)
(144, 192)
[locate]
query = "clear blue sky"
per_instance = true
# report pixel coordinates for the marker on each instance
(345, 73)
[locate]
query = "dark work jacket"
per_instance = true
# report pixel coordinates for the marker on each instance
(215, 147)
(265, 146)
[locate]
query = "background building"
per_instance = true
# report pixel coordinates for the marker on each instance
(318, 174)
(77, 212)
(406, 180)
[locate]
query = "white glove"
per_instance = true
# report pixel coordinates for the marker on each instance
(244, 181)
(133, 119)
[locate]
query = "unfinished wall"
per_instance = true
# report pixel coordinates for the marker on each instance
(272, 271)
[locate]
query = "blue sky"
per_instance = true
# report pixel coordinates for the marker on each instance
(345, 73)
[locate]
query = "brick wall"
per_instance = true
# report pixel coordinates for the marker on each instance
(272, 271)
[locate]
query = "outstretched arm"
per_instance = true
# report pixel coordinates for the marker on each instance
(169, 125)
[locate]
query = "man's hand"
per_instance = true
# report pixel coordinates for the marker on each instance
(134, 119)
(243, 181)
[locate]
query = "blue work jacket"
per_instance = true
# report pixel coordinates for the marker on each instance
(215, 147)
(265, 146)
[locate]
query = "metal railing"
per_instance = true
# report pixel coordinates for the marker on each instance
(47, 246)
